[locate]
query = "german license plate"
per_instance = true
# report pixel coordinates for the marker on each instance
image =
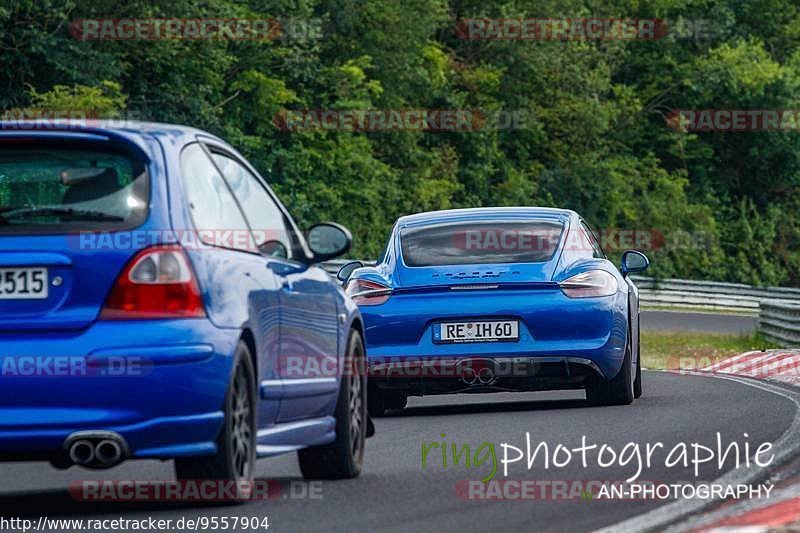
(23, 283)
(479, 331)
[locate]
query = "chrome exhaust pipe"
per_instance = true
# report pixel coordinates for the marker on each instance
(108, 452)
(82, 452)
(485, 376)
(94, 449)
(468, 376)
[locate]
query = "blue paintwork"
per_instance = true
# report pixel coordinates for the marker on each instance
(551, 324)
(174, 407)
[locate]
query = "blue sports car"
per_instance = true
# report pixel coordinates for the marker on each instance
(153, 292)
(497, 299)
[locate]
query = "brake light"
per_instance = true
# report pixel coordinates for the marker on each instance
(158, 283)
(365, 292)
(589, 284)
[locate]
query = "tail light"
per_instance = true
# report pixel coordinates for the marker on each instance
(365, 292)
(589, 284)
(158, 283)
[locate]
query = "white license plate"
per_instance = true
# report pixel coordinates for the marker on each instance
(480, 331)
(23, 283)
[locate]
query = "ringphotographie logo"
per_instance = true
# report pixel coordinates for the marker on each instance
(637, 457)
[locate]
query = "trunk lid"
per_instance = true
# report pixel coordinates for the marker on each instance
(73, 210)
(77, 282)
(464, 275)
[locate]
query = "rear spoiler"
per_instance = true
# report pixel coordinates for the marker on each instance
(479, 285)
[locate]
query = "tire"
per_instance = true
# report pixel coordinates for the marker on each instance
(344, 457)
(236, 444)
(617, 391)
(381, 402)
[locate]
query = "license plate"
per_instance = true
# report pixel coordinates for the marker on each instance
(23, 283)
(480, 331)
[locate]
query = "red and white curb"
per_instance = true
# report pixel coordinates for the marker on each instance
(771, 371)
(779, 515)
(777, 366)
(780, 512)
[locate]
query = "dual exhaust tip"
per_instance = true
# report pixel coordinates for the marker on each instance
(96, 450)
(482, 376)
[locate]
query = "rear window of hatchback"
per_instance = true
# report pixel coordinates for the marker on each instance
(70, 187)
(476, 243)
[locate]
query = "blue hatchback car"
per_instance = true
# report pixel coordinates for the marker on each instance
(153, 293)
(497, 299)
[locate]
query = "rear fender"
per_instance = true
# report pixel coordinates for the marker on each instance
(373, 274)
(592, 263)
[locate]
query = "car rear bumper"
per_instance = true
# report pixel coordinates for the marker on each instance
(605, 354)
(550, 325)
(442, 375)
(160, 385)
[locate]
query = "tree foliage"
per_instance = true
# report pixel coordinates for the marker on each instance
(596, 139)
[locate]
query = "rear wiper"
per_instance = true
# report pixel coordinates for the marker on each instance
(67, 213)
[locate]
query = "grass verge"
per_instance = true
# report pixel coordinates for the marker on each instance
(662, 349)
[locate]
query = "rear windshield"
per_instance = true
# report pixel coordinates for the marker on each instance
(66, 188)
(480, 243)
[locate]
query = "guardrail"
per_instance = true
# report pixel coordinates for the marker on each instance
(710, 295)
(778, 308)
(780, 323)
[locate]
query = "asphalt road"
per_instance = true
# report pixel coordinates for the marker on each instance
(700, 322)
(395, 493)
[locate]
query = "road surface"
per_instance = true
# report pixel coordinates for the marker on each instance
(699, 322)
(395, 493)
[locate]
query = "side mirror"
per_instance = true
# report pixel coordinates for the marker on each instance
(633, 261)
(273, 249)
(344, 273)
(328, 240)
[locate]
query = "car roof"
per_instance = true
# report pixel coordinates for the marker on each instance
(457, 215)
(132, 131)
(122, 127)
